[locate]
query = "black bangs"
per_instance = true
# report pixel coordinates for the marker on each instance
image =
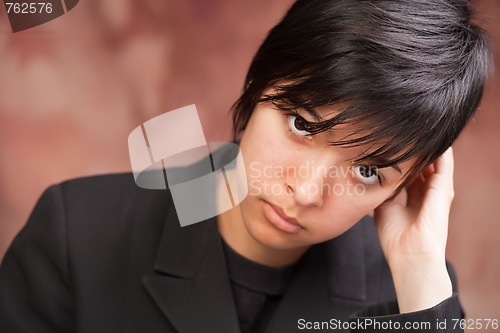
(396, 139)
(410, 73)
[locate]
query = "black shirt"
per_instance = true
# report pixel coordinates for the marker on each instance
(257, 289)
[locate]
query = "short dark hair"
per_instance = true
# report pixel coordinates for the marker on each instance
(413, 69)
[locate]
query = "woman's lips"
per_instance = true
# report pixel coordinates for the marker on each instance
(280, 220)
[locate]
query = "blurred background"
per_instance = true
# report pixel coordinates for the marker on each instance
(73, 89)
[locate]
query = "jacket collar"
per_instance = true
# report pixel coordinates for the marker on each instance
(192, 288)
(191, 285)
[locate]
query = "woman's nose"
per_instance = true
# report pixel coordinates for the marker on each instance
(308, 188)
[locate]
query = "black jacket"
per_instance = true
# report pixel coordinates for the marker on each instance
(103, 255)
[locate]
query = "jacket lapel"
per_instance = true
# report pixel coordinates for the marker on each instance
(330, 284)
(190, 284)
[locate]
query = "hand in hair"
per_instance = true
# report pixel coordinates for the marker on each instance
(413, 229)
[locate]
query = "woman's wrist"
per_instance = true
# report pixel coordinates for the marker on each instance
(421, 283)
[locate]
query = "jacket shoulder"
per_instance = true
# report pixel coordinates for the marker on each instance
(109, 222)
(102, 210)
(111, 187)
(76, 248)
(105, 199)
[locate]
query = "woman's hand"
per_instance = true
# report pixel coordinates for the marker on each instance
(413, 229)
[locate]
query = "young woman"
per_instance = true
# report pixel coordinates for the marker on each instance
(349, 107)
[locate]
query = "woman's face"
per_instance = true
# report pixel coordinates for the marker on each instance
(301, 190)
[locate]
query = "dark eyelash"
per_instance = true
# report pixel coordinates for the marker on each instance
(379, 175)
(296, 114)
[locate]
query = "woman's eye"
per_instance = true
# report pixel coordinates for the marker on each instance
(298, 125)
(367, 174)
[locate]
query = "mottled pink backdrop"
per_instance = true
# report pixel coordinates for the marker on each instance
(72, 90)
